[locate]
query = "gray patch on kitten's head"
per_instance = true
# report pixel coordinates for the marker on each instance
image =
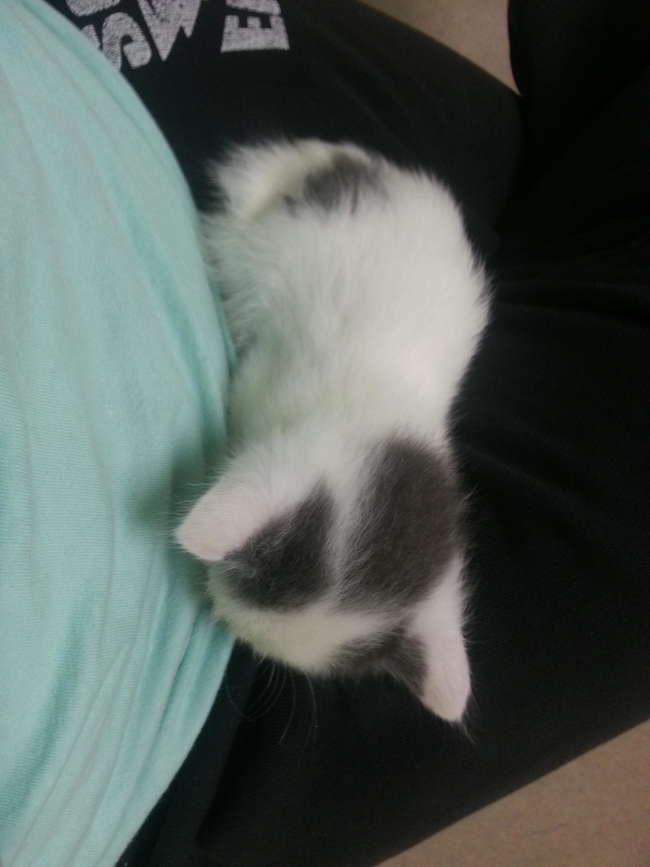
(283, 566)
(403, 534)
(343, 182)
(407, 528)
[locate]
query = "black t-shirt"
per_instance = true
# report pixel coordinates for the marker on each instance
(223, 71)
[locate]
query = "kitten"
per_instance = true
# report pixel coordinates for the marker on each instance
(355, 305)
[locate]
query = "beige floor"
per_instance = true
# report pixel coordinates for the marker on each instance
(595, 811)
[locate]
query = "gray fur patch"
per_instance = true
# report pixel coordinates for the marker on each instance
(394, 652)
(344, 181)
(283, 568)
(407, 531)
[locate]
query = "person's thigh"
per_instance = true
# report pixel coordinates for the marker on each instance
(552, 431)
(550, 428)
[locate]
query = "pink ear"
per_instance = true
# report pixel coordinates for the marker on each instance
(438, 627)
(199, 533)
(223, 519)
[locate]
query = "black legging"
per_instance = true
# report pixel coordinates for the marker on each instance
(551, 428)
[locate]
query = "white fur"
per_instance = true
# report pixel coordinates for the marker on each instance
(307, 639)
(352, 328)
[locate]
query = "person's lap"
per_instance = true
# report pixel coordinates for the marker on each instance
(550, 429)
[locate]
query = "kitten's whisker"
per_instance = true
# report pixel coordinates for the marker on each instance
(239, 710)
(276, 692)
(293, 707)
(269, 689)
(313, 726)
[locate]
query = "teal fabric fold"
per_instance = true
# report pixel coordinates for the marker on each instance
(113, 371)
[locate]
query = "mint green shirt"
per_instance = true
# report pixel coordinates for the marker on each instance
(113, 370)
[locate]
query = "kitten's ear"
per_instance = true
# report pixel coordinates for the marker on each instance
(222, 520)
(199, 532)
(438, 631)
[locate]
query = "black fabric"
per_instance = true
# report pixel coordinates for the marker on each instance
(168, 836)
(569, 61)
(551, 428)
(350, 73)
